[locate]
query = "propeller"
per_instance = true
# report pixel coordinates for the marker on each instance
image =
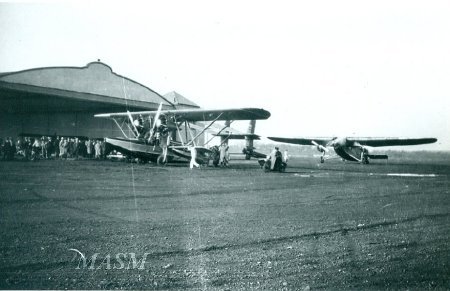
(158, 113)
(320, 148)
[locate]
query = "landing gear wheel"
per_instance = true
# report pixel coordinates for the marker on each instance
(142, 161)
(322, 160)
(160, 161)
(365, 160)
(266, 166)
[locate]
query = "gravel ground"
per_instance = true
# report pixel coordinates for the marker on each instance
(331, 226)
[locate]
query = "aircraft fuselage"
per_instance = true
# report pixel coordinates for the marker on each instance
(349, 153)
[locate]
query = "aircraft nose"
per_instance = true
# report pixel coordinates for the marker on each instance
(337, 143)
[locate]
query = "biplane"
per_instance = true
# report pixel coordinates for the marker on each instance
(165, 135)
(353, 148)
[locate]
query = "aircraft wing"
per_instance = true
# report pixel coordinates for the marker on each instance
(193, 115)
(366, 141)
(323, 141)
(389, 141)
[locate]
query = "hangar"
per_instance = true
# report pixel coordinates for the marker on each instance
(63, 100)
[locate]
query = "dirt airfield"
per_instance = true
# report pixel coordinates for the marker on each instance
(318, 226)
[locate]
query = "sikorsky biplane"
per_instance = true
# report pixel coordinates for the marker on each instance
(144, 131)
(353, 148)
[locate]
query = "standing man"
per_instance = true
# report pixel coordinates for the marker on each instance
(66, 147)
(164, 138)
(286, 156)
(36, 149)
(193, 157)
(61, 148)
(76, 148)
(89, 148)
(56, 146)
(8, 149)
(98, 150)
(103, 149)
(223, 155)
(275, 156)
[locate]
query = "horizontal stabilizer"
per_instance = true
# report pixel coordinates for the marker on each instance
(255, 154)
(239, 135)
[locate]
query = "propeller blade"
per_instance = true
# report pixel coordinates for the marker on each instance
(158, 113)
(321, 148)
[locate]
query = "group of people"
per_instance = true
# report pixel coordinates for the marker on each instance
(7, 148)
(52, 147)
(220, 156)
(276, 158)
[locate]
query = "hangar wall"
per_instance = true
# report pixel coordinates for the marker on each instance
(65, 124)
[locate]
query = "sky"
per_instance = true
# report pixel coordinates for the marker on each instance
(322, 68)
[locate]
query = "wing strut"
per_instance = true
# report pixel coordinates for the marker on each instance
(120, 127)
(223, 128)
(132, 122)
(201, 132)
(178, 130)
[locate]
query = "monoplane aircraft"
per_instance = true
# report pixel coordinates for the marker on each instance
(353, 148)
(144, 132)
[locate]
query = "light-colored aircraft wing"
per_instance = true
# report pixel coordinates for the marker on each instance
(192, 115)
(323, 141)
(389, 141)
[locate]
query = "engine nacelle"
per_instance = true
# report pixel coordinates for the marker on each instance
(340, 142)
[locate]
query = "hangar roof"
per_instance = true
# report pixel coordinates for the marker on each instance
(178, 99)
(94, 82)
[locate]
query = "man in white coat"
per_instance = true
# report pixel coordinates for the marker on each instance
(193, 157)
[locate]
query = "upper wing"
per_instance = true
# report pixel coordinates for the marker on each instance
(202, 114)
(323, 141)
(389, 141)
(367, 141)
